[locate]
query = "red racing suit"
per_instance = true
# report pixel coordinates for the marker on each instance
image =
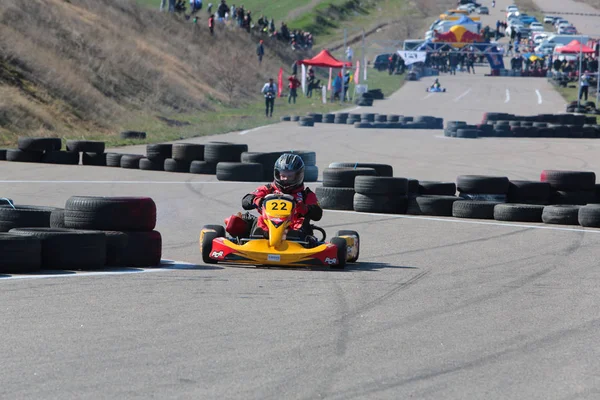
(307, 204)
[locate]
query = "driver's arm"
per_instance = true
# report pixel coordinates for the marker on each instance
(314, 211)
(253, 200)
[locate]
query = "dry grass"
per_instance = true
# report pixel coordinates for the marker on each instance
(96, 61)
(593, 3)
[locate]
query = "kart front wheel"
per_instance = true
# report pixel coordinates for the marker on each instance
(342, 248)
(356, 242)
(206, 246)
(219, 228)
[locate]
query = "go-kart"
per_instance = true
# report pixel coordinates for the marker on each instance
(436, 90)
(277, 248)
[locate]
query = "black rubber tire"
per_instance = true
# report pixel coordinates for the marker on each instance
(393, 118)
(569, 180)
(110, 213)
(589, 216)
(295, 118)
(580, 197)
(480, 184)
(381, 118)
(24, 156)
(467, 133)
(143, 249)
(350, 233)
(437, 188)
(3, 154)
(206, 246)
(267, 160)
(561, 214)
(334, 198)
(228, 152)
(380, 185)
(159, 152)
(498, 198)
(57, 218)
(413, 187)
(86, 146)
(363, 125)
(113, 159)
(61, 157)
(67, 248)
(116, 245)
(518, 212)
(473, 209)
(188, 152)
(307, 118)
(39, 144)
(342, 249)
(528, 192)
(203, 167)
(434, 205)
(240, 172)
(380, 203)
(131, 161)
(220, 229)
(172, 165)
(24, 217)
(152, 165)
(20, 254)
(380, 169)
(344, 177)
(5, 201)
(95, 159)
(306, 123)
(133, 135)
(285, 118)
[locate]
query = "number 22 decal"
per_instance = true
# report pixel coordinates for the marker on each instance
(275, 205)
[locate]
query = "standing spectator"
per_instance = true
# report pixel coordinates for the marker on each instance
(346, 84)
(260, 51)
(293, 85)
(222, 10)
(311, 81)
(295, 68)
(211, 24)
(349, 53)
(163, 4)
(585, 85)
(233, 13)
(269, 90)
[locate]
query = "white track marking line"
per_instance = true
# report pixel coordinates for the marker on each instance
(539, 96)
(428, 96)
(252, 130)
(166, 265)
(134, 182)
(507, 96)
(462, 95)
(466, 221)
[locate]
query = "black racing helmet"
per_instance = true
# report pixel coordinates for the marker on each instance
(289, 172)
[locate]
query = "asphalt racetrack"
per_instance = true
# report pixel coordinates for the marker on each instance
(437, 308)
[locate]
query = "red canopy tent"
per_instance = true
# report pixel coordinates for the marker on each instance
(574, 47)
(325, 59)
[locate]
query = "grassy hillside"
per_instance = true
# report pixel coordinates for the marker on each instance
(91, 68)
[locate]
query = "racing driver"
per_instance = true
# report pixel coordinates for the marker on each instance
(289, 179)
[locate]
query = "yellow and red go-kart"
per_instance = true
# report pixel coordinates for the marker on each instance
(277, 249)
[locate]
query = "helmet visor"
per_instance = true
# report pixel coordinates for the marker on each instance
(288, 178)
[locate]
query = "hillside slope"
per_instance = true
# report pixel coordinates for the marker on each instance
(85, 65)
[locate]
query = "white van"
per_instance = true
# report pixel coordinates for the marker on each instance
(566, 39)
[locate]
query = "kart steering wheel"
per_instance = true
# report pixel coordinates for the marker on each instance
(316, 228)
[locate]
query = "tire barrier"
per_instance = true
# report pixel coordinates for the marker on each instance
(369, 120)
(177, 158)
(559, 197)
(89, 233)
(531, 126)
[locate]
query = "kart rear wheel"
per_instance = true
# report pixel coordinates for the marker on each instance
(351, 233)
(219, 228)
(206, 246)
(342, 249)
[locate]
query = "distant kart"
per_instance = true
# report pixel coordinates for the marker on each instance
(436, 90)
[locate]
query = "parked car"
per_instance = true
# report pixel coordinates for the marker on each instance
(549, 19)
(483, 10)
(567, 30)
(381, 61)
(536, 27)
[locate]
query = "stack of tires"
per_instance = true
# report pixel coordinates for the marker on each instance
(225, 160)
(90, 233)
(481, 193)
(92, 152)
(380, 194)
(306, 121)
(570, 187)
(341, 118)
(46, 150)
(460, 129)
(542, 125)
(156, 155)
(337, 191)
(433, 198)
